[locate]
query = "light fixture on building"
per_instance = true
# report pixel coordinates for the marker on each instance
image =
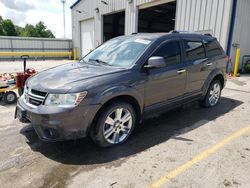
(97, 10)
(81, 11)
(130, 1)
(104, 2)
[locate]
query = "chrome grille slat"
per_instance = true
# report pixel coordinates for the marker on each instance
(37, 99)
(34, 97)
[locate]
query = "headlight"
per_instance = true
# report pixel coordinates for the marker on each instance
(25, 92)
(65, 100)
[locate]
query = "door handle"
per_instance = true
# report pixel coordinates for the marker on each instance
(209, 64)
(181, 71)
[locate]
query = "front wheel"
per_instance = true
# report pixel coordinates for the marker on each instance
(213, 94)
(114, 125)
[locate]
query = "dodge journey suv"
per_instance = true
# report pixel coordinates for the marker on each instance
(113, 88)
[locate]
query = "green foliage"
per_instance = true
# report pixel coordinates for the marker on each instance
(247, 67)
(42, 31)
(7, 28)
(1, 26)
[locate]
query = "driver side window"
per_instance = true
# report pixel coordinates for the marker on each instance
(171, 52)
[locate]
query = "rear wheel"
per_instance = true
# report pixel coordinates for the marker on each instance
(10, 97)
(114, 125)
(213, 94)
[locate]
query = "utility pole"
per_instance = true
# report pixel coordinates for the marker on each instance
(64, 32)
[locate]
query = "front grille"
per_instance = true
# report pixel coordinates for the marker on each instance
(34, 97)
(39, 93)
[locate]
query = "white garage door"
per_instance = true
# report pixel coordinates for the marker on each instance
(87, 36)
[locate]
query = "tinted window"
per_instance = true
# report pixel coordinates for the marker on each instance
(194, 50)
(212, 48)
(171, 53)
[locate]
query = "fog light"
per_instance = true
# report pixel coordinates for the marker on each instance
(51, 133)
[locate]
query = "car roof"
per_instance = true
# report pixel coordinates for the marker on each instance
(156, 36)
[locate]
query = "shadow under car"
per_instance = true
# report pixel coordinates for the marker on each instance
(150, 133)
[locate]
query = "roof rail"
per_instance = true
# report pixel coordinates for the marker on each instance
(208, 34)
(202, 32)
(174, 31)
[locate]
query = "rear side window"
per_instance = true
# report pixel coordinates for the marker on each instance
(171, 52)
(194, 50)
(213, 48)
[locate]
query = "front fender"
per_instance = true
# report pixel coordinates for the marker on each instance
(117, 91)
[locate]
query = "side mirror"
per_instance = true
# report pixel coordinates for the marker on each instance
(155, 62)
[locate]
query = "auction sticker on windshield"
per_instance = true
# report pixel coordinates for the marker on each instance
(143, 41)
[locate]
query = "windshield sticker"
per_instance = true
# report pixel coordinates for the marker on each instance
(143, 41)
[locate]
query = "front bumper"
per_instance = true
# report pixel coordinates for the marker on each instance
(55, 123)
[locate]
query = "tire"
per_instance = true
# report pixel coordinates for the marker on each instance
(114, 125)
(1, 95)
(10, 97)
(213, 95)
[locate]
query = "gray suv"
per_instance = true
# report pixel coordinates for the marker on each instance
(120, 83)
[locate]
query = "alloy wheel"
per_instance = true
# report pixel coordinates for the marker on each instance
(214, 94)
(117, 125)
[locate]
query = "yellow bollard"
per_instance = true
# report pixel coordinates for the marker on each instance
(74, 52)
(237, 59)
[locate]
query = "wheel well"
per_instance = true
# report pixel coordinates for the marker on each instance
(220, 78)
(123, 98)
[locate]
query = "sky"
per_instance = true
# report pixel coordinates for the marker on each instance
(23, 12)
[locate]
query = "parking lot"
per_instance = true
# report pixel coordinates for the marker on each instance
(187, 147)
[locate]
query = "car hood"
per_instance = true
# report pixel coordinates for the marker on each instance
(62, 78)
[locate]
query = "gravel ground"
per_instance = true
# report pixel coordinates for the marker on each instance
(158, 146)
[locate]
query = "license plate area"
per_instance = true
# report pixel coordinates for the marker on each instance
(22, 115)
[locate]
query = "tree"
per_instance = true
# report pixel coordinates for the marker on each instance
(1, 26)
(18, 30)
(9, 28)
(28, 31)
(42, 31)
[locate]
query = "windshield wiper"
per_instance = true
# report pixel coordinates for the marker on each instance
(100, 61)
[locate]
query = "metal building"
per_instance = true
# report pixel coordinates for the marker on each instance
(95, 21)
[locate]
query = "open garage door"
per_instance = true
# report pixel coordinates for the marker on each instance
(160, 18)
(87, 36)
(113, 25)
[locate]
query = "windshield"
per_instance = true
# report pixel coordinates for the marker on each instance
(117, 52)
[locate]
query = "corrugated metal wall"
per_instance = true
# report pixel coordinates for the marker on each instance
(19, 44)
(215, 15)
(16, 44)
(86, 10)
(192, 15)
(241, 29)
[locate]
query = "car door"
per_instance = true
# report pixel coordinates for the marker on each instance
(167, 83)
(199, 67)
